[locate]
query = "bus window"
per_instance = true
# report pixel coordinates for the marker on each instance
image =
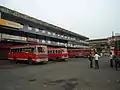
(57, 51)
(20, 50)
(11, 50)
(49, 51)
(28, 50)
(33, 49)
(17, 50)
(14, 50)
(54, 51)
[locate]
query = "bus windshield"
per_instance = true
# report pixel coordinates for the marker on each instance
(41, 50)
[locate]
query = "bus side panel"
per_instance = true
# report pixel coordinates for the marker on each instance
(54, 56)
(22, 56)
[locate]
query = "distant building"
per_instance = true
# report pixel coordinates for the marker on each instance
(100, 45)
(105, 44)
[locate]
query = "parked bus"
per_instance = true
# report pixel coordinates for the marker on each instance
(57, 53)
(82, 52)
(29, 53)
(86, 52)
(74, 53)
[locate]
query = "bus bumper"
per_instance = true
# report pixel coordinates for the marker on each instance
(41, 60)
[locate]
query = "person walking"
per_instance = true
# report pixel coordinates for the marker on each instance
(96, 60)
(91, 60)
(117, 61)
(111, 60)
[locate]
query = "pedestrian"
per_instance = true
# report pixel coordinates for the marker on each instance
(91, 60)
(96, 60)
(101, 54)
(111, 59)
(117, 61)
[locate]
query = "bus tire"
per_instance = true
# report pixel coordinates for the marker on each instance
(12, 61)
(30, 61)
(64, 60)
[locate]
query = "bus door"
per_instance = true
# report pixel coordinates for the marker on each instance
(64, 53)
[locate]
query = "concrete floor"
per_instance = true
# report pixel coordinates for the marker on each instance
(71, 75)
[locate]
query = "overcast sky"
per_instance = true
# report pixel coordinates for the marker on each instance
(92, 18)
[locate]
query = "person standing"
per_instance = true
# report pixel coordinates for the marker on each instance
(96, 60)
(111, 60)
(117, 61)
(101, 54)
(91, 60)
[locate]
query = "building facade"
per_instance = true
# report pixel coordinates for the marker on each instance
(19, 28)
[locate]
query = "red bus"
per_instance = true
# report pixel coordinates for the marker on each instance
(57, 53)
(29, 53)
(83, 52)
(74, 52)
(86, 52)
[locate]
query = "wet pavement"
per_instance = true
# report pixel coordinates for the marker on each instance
(74, 74)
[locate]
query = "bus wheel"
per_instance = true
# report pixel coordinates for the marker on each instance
(12, 61)
(30, 61)
(64, 60)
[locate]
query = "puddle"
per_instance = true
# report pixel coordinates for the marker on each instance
(68, 84)
(32, 80)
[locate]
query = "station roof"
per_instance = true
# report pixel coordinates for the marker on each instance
(32, 19)
(102, 39)
(98, 41)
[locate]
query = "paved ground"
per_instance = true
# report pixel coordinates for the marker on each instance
(72, 75)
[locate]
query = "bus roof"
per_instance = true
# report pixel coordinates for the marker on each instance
(26, 46)
(80, 49)
(56, 48)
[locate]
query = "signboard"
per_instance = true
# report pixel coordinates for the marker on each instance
(32, 39)
(13, 37)
(9, 23)
(117, 44)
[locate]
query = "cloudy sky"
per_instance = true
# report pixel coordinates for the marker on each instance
(92, 18)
